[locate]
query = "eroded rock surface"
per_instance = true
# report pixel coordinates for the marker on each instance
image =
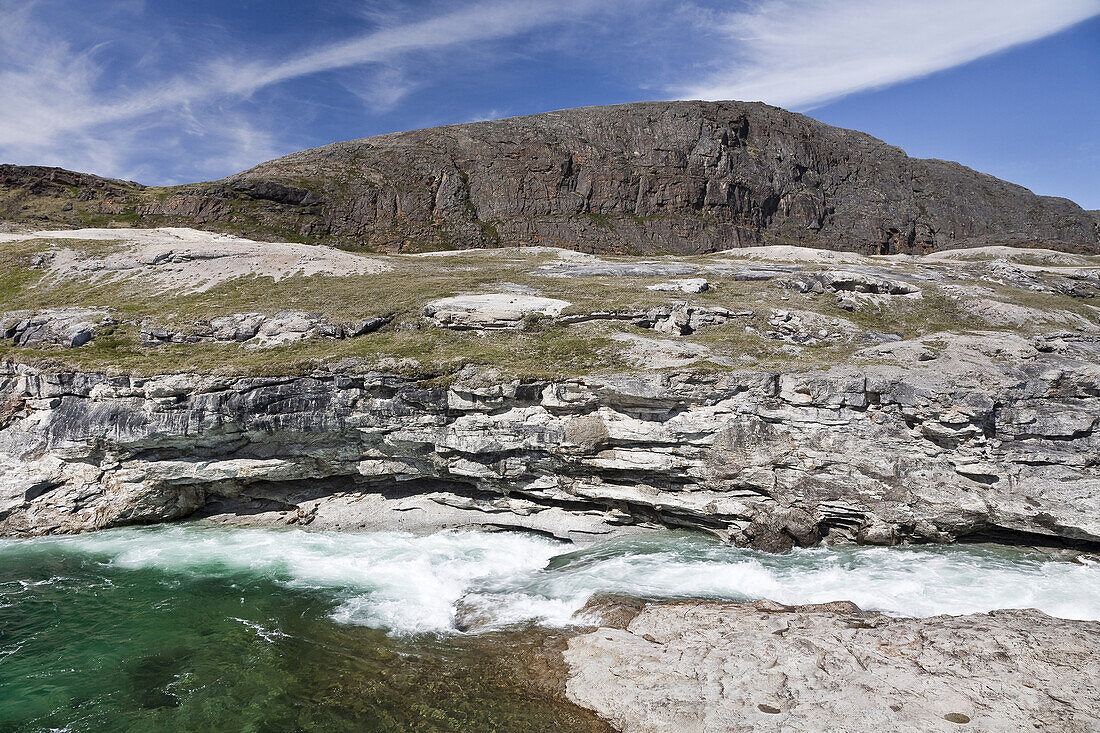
(175, 259)
(258, 329)
(684, 177)
(993, 438)
(715, 667)
(688, 285)
(67, 328)
(492, 311)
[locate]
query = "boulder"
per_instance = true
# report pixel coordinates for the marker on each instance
(492, 311)
(67, 328)
(690, 285)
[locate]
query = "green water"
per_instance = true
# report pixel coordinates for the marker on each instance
(89, 646)
(198, 628)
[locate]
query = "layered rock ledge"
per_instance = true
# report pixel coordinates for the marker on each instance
(955, 448)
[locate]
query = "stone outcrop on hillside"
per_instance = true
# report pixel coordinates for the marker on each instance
(953, 448)
(717, 667)
(67, 328)
(258, 329)
(644, 177)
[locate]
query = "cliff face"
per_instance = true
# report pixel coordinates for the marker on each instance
(959, 450)
(650, 177)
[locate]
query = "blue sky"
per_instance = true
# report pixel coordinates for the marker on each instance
(162, 91)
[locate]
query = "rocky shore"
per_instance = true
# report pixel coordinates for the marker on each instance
(772, 397)
(707, 667)
(993, 438)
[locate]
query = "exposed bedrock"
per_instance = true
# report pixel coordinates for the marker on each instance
(1006, 451)
(682, 177)
(709, 667)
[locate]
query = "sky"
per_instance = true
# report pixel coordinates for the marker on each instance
(163, 91)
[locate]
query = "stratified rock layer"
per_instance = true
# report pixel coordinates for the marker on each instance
(646, 177)
(952, 448)
(710, 667)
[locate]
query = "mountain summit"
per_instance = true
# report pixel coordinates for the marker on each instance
(678, 177)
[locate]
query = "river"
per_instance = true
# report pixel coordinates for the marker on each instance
(197, 627)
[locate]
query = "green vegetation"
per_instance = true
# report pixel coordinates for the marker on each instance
(409, 344)
(601, 220)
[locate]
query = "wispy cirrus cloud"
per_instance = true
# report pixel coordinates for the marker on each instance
(55, 100)
(132, 93)
(802, 53)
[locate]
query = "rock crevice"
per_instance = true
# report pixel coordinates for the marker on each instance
(762, 459)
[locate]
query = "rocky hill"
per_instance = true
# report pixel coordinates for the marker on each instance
(773, 396)
(675, 177)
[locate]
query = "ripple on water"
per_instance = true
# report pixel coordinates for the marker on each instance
(195, 627)
(410, 584)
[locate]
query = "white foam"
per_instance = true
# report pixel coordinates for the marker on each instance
(410, 584)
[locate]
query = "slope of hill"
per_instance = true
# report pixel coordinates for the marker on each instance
(675, 177)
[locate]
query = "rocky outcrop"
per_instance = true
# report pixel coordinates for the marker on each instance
(504, 311)
(837, 281)
(688, 285)
(647, 177)
(969, 447)
(808, 329)
(67, 328)
(258, 329)
(38, 194)
(709, 667)
(493, 311)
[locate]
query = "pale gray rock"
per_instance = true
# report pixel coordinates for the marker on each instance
(712, 667)
(678, 319)
(616, 269)
(491, 311)
(260, 330)
(689, 285)
(67, 328)
(836, 281)
(994, 439)
(808, 329)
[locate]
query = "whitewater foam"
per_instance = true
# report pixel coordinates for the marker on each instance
(411, 584)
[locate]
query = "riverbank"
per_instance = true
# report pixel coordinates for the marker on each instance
(773, 396)
(198, 626)
(331, 418)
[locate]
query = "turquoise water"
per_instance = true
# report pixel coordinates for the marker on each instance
(201, 628)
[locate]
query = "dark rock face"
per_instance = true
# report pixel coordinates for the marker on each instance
(647, 177)
(39, 194)
(682, 177)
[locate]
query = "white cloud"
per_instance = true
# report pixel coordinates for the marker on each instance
(62, 82)
(57, 107)
(196, 110)
(801, 53)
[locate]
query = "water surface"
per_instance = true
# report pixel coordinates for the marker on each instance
(192, 627)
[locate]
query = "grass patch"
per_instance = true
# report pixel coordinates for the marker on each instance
(540, 349)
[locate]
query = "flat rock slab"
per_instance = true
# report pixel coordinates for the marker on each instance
(701, 666)
(617, 269)
(173, 258)
(491, 311)
(689, 285)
